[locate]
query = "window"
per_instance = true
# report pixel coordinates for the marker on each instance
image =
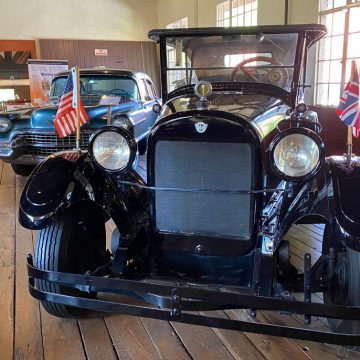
(178, 24)
(151, 89)
(237, 13)
(337, 48)
(175, 77)
(7, 94)
(235, 59)
(100, 85)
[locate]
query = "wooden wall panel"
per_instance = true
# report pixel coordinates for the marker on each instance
(135, 55)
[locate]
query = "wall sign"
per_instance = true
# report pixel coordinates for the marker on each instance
(101, 52)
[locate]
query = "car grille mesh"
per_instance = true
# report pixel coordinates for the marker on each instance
(44, 144)
(223, 168)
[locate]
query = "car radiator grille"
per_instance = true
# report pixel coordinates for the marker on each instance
(44, 144)
(224, 168)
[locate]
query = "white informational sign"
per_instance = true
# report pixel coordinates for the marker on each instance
(109, 100)
(41, 73)
(101, 52)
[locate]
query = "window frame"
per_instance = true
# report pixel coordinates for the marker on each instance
(182, 23)
(344, 59)
(220, 9)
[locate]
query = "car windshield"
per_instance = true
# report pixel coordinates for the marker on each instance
(261, 58)
(94, 87)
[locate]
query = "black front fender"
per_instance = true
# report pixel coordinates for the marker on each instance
(346, 195)
(54, 185)
(58, 183)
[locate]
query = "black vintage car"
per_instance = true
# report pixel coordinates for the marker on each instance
(233, 162)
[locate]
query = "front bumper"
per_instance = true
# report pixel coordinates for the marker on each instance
(174, 302)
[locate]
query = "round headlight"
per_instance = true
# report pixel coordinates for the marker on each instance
(5, 124)
(121, 121)
(296, 155)
(113, 150)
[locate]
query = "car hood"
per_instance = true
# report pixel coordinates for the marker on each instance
(43, 117)
(262, 111)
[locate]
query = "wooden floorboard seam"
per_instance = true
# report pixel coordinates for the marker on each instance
(112, 343)
(14, 277)
(82, 340)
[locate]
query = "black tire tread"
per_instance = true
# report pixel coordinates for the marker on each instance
(47, 248)
(339, 325)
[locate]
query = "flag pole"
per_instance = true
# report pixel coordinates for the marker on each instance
(77, 108)
(349, 145)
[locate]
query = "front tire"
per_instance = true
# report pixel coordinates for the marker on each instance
(73, 244)
(345, 288)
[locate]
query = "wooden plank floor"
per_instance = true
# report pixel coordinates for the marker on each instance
(28, 332)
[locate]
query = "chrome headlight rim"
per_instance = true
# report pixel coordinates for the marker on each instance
(9, 122)
(126, 135)
(297, 131)
(123, 118)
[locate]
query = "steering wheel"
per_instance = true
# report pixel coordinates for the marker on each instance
(276, 76)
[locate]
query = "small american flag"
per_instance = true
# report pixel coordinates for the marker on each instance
(348, 108)
(65, 119)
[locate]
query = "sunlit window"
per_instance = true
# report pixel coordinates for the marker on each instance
(175, 78)
(7, 94)
(237, 13)
(337, 49)
(235, 59)
(178, 24)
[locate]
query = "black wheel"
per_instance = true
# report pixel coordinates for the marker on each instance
(22, 170)
(345, 288)
(74, 244)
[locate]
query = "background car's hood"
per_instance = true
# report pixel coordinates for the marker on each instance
(44, 117)
(15, 114)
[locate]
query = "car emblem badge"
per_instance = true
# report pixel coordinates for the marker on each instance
(201, 127)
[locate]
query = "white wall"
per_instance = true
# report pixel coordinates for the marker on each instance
(126, 19)
(203, 12)
(77, 19)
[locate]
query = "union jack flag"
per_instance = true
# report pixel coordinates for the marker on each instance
(65, 119)
(348, 108)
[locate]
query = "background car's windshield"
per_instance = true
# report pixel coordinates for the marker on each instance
(95, 86)
(264, 58)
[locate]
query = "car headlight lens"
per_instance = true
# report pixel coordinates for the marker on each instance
(296, 155)
(121, 121)
(111, 150)
(5, 124)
